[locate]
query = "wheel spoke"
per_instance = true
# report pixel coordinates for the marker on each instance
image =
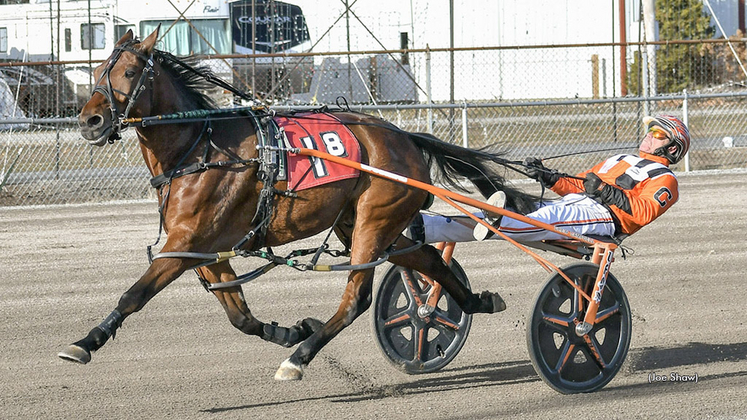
(412, 288)
(419, 335)
(555, 322)
(444, 319)
(603, 315)
(591, 343)
(565, 355)
(445, 331)
(579, 302)
(401, 318)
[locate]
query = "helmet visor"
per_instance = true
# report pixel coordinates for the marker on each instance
(658, 133)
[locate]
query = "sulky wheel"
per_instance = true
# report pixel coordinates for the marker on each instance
(414, 338)
(565, 361)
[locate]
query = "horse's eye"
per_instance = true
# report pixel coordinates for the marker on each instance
(130, 74)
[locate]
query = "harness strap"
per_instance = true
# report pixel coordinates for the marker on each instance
(268, 174)
(118, 121)
(166, 177)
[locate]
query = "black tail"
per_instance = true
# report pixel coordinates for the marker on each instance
(478, 166)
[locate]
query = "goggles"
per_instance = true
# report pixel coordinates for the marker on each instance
(658, 133)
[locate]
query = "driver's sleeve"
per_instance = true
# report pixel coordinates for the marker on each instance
(565, 186)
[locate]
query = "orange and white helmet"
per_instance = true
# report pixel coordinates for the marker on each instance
(678, 134)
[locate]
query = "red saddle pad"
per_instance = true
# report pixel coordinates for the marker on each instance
(323, 132)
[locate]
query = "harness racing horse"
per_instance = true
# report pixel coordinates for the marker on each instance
(210, 210)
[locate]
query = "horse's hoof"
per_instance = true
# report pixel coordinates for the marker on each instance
(310, 326)
(76, 354)
(493, 302)
(289, 371)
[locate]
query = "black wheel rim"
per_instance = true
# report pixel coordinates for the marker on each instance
(414, 344)
(565, 361)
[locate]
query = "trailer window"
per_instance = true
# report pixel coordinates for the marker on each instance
(68, 40)
(3, 39)
(212, 36)
(120, 30)
(92, 36)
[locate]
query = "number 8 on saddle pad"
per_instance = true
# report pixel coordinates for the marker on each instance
(323, 132)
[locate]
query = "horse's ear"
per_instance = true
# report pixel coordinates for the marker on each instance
(149, 42)
(127, 37)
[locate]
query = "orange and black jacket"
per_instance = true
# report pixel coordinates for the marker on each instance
(644, 188)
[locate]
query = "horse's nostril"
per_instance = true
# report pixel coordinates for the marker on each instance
(94, 121)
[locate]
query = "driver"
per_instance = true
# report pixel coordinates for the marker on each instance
(615, 198)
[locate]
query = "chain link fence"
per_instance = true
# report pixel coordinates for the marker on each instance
(560, 104)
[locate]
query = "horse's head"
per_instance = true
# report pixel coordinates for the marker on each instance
(120, 80)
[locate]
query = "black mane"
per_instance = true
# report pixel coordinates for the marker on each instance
(192, 77)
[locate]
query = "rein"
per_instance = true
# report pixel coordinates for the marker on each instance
(562, 174)
(588, 151)
(209, 77)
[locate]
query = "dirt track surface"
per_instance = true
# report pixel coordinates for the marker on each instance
(64, 269)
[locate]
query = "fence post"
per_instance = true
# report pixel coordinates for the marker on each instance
(57, 148)
(684, 119)
(428, 87)
(465, 141)
(595, 76)
(644, 79)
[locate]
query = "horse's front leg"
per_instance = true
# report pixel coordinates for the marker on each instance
(233, 302)
(159, 275)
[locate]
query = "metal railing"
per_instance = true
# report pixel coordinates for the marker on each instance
(46, 161)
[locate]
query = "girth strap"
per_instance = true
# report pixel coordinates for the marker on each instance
(159, 180)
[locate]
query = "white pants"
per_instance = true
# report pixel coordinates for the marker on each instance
(573, 212)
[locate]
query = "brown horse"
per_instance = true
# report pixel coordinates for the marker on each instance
(211, 209)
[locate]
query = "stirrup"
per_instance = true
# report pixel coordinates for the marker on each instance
(480, 232)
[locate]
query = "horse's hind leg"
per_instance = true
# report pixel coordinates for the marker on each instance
(356, 299)
(368, 244)
(427, 260)
(376, 226)
(233, 302)
(378, 221)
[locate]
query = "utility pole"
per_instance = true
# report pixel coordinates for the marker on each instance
(649, 26)
(254, 48)
(347, 28)
(623, 50)
(451, 68)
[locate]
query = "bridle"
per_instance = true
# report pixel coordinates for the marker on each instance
(118, 124)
